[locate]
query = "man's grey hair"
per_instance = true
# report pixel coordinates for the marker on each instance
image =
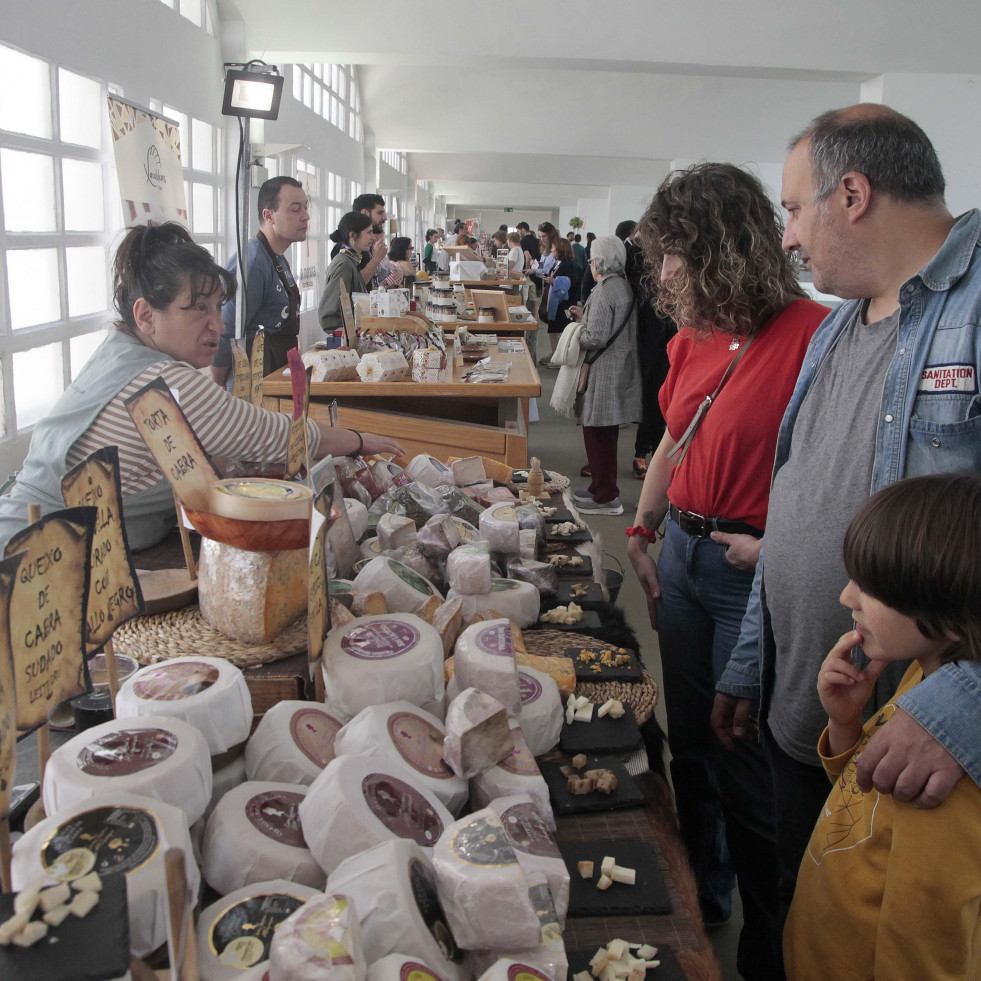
(887, 147)
(609, 254)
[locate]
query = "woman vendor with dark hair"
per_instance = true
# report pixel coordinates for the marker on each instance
(354, 236)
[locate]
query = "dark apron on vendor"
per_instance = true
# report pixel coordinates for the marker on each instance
(285, 337)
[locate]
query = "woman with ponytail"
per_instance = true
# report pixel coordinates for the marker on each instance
(354, 236)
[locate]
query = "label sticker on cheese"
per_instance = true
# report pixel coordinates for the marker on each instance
(411, 971)
(531, 688)
(506, 513)
(524, 972)
(172, 682)
(314, 732)
(520, 760)
(107, 840)
(419, 743)
(483, 843)
(276, 814)
(409, 576)
(496, 639)
(401, 808)
(504, 585)
(422, 879)
(380, 639)
(528, 832)
(467, 531)
(118, 754)
(242, 935)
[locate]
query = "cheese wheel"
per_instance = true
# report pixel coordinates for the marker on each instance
(236, 933)
(154, 756)
(112, 833)
(528, 965)
(499, 526)
(395, 530)
(321, 941)
(517, 773)
(505, 969)
(468, 569)
(518, 601)
(370, 548)
(223, 779)
(256, 833)
(401, 967)
(357, 514)
(439, 536)
(393, 886)
(359, 801)
(403, 732)
(477, 733)
(541, 714)
(481, 886)
(293, 743)
(208, 693)
(427, 470)
(405, 590)
(383, 658)
(484, 659)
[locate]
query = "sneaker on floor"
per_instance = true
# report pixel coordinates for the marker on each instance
(594, 507)
(582, 495)
(640, 467)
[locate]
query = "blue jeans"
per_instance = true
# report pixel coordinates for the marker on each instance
(724, 798)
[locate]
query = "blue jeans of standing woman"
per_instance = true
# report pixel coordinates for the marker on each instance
(724, 798)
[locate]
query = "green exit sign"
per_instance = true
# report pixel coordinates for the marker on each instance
(507, 210)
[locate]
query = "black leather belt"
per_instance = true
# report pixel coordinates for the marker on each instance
(698, 526)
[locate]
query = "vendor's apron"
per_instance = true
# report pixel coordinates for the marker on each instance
(279, 343)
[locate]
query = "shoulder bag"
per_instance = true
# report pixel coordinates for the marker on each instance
(591, 356)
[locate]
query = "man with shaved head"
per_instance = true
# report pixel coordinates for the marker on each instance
(888, 389)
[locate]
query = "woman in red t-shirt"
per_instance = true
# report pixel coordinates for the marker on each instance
(716, 239)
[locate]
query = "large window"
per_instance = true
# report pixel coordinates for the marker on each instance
(331, 91)
(198, 12)
(305, 256)
(395, 160)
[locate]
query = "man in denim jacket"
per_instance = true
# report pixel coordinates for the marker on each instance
(888, 389)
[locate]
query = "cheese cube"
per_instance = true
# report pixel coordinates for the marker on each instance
(395, 530)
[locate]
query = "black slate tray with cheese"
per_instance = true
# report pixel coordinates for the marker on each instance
(625, 795)
(647, 897)
(604, 735)
(561, 514)
(584, 571)
(589, 620)
(574, 538)
(592, 600)
(584, 671)
(668, 970)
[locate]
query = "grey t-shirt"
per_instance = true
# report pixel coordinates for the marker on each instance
(814, 497)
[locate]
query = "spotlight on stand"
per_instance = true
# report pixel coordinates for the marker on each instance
(253, 90)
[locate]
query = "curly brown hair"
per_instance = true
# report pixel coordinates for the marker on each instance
(735, 274)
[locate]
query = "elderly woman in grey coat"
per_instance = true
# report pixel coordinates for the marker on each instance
(613, 394)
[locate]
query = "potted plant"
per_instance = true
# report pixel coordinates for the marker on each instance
(576, 222)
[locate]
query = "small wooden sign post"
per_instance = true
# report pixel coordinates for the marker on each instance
(181, 946)
(258, 366)
(297, 447)
(318, 587)
(347, 319)
(8, 714)
(242, 371)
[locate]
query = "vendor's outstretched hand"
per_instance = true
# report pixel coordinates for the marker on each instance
(374, 443)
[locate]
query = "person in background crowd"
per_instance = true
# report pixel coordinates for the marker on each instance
(272, 298)
(401, 271)
(590, 238)
(539, 271)
(168, 294)
(569, 236)
(579, 255)
(374, 266)
(428, 259)
(889, 390)
(529, 243)
(459, 229)
(612, 396)
(353, 235)
(516, 258)
(623, 231)
(744, 328)
(561, 294)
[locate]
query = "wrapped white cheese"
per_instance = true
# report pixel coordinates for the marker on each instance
(527, 543)
(481, 886)
(428, 470)
(428, 365)
(484, 659)
(293, 743)
(357, 514)
(387, 365)
(477, 733)
(113, 833)
(506, 969)
(403, 732)
(518, 601)
(383, 658)
(321, 941)
(441, 534)
(541, 715)
(208, 693)
(256, 833)
(499, 525)
(236, 933)
(336, 364)
(401, 967)
(405, 590)
(359, 801)
(395, 530)
(153, 756)
(517, 773)
(370, 548)
(394, 888)
(468, 568)
(223, 778)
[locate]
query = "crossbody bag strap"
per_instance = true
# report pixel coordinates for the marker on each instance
(593, 355)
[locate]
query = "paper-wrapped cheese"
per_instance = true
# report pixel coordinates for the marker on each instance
(357, 514)
(208, 693)
(401, 967)
(405, 590)
(384, 658)
(527, 544)
(505, 969)
(394, 888)
(518, 601)
(223, 779)
(477, 733)
(395, 530)
(517, 773)
(359, 801)
(235, 933)
(387, 365)
(484, 658)
(337, 364)
(370, 548)
(481, 885)
(256, 833)
(541, 715)
(113, 833)
(499, 525)
(403, 732)
(428, 470)
(293, 743)
(321, 941)
(439, 536)
(154, 756)
(468, 568)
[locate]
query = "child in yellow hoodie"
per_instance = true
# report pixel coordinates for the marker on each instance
(886, 890)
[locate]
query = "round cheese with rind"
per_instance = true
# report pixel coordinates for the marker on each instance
(293, 742)
(208, 693)
(357, 514)
(403, 732)
(223, 779)
(518, 601)
(484, 659)
(541, 714)
(235, 934)
(255, 834)
(499, 526)
(155, 756)
(115, 833)
(511, 969)
(404, 589)
(428, 470)
(321, 941)
(383, 658)
(401, 967)
(468, 569)
(359, 801)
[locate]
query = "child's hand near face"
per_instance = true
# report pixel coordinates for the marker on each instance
(844, 689)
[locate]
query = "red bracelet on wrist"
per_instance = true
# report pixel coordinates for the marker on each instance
(651, 536)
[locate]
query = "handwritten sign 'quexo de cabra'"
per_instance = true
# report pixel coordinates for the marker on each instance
(114, 588)
(47, 612)
(318, 607)
(8, 697)
(297, 453)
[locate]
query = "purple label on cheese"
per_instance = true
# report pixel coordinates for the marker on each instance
(528, 832)
(495, 639)
(531, 688)
(173, 682)
(520, 761)
(314, 731)
(276, 813)
(402, 809)
(380, 640)
(119, 754)
(419, 743)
